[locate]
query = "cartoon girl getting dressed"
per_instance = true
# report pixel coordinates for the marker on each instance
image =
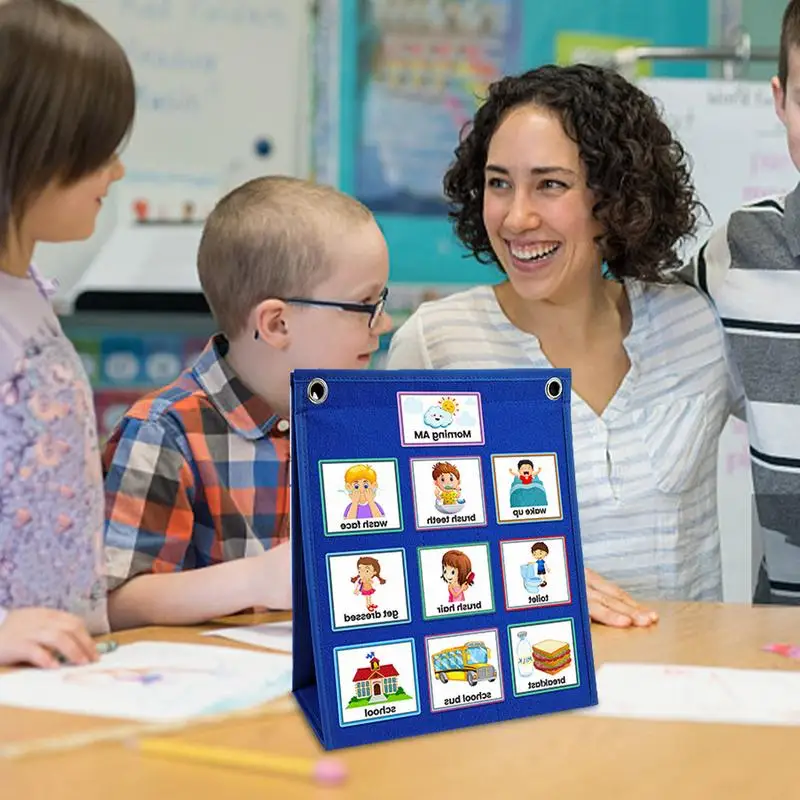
(369, 570)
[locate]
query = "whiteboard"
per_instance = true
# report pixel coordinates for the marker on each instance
(222, 96)
(739, 154)
(736, 142)
(216, 79)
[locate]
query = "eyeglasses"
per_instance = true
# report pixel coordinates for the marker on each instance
(373, 309)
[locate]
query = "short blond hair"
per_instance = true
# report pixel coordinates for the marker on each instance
(359, 471)
(268, 238)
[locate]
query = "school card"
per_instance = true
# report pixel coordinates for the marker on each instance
(437, 566)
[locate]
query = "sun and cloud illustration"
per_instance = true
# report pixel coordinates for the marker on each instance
(442, 414)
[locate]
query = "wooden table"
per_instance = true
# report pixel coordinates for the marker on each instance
(559, 756)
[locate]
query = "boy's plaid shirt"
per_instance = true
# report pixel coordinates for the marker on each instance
(197, 473)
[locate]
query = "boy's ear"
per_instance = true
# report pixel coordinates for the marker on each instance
(779, 98)
(272, 325)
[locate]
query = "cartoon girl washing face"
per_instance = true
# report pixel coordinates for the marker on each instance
(457, 574)
(369, 570)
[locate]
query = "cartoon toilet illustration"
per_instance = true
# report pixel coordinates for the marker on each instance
(534, 573)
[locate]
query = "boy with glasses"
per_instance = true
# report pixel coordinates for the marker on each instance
(197, 473)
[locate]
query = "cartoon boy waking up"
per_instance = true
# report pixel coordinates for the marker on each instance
(527, 488)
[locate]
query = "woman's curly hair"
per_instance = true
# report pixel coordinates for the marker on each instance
(638, 171)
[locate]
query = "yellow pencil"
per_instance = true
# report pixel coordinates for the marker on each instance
(326, 771)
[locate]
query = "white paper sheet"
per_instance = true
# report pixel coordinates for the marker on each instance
(698, 694)
(274, 635)
(154, 682)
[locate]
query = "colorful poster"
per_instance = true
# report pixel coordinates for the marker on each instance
(423, 69)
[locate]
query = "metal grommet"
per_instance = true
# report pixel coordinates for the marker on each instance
(317, 391)
(553, 388)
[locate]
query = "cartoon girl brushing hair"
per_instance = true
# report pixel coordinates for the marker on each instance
(457, 574)
(369, 569)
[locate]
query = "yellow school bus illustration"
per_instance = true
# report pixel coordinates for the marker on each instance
(469, 662)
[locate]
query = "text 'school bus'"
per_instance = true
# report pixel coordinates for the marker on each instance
(469, 662)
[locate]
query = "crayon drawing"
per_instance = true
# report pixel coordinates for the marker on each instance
(154, 682)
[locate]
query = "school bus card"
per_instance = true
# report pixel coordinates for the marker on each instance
(463, 669)
(437, 570)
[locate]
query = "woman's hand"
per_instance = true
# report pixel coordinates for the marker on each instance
(610, 605)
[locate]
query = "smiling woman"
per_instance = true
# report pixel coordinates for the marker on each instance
(586, 128)
(569, 181)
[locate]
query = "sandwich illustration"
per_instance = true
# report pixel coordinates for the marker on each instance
(551, 656)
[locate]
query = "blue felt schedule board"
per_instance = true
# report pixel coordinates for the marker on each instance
(437, 566)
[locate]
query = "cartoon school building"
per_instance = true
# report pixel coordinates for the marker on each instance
(375, 681)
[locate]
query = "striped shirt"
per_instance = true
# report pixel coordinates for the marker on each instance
(750, 267)
(197, 473)
(646, 468)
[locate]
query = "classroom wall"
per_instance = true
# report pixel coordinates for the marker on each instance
(762, 20)
(222, 96)
(127, 355)
(422, 245)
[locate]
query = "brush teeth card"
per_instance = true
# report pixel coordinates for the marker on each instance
(448, 493)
